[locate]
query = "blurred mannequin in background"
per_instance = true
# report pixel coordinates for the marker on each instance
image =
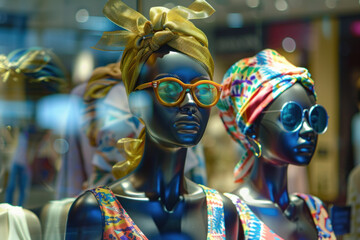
(25, 74)
(18, 223)
(353, 189)
(42, 73)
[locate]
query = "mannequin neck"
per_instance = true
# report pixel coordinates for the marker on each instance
(270, 181)
(161, 173)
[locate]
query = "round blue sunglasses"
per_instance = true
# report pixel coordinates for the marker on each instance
(292, 117)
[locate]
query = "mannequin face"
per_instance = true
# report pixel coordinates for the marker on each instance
(280, 146)
(179, 126)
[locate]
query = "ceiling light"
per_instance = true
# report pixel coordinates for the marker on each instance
(281, 5)
(169, 5)
(254, 3)
(82, 16)
(330, 3)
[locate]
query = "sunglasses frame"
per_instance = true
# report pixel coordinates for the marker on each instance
(303, 116)
(155, 84)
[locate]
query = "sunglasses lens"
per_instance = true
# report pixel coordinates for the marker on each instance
(291, 116)
(206, 93)
(318, 119)
(169, 91)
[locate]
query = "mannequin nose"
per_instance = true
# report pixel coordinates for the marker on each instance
(188, 105)
(306, 131)
(188, 99)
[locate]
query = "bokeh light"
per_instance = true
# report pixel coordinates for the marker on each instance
(289, 44)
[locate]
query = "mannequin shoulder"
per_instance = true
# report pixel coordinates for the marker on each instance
(85, 218)
(232, 220)
(230, 208)
(84, 208)
(33, 223)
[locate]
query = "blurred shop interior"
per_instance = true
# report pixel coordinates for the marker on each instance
(321, 35)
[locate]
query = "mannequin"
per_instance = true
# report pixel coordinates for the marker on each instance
(53, 218)
(257, 89)
(108, 119)
(156, 200)
(353, 186)
(27, 74)
(18, 223)
(40, 72)
(159, 182)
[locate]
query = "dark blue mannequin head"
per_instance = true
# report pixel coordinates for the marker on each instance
(279, 145)
(178, 126)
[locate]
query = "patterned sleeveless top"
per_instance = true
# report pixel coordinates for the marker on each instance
(255, 229)
(117, 224)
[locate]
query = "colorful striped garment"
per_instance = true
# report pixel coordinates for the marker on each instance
(117, 224)
(255, 229)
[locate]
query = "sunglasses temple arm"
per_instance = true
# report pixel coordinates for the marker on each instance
(143, 86)
(271, 111)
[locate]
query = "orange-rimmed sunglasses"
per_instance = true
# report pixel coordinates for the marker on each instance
(171, 91)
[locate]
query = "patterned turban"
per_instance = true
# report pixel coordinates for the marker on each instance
(249, 86)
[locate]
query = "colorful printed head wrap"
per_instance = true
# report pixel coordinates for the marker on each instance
(34, 64)
(142, 37)
(249, 86)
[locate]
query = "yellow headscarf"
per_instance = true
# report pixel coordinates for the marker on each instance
(142, 37)
(139, 39)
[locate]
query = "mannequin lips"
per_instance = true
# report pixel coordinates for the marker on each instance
(187, 125)
(305, 149)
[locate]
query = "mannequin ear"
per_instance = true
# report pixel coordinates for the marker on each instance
(252, 139)
(140, 104)
(251, 133)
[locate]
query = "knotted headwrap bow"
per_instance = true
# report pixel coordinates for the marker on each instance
(142, 37)
(35, 64)
(249, 86)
